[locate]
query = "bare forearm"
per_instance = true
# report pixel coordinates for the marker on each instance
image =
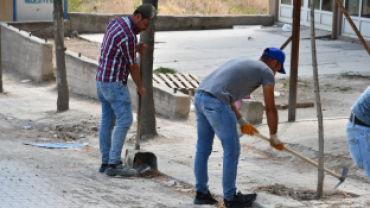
(135, 74)
(236, 111)
(272, 120)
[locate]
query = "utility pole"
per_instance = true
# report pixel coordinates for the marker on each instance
(148, 123)
(62, 84)
(321, 175)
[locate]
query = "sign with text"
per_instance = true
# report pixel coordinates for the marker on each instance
(35, 10)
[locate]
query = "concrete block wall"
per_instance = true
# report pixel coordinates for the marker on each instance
(166, 103)
(41, 29)
(90, 23)
(81, 80)
(97, 23)
(81, 73)
(30, 56)
(177, 22)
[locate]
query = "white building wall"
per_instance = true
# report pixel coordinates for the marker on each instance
(30, 10)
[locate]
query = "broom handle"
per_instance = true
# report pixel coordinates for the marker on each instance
(299, 155)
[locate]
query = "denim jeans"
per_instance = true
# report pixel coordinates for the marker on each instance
(213, 116)
(116, 110)
(358, 139)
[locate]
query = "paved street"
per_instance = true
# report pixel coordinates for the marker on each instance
(200, 52)
(37, 177)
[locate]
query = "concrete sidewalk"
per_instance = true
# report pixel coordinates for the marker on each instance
(261, 165)
(200, 52)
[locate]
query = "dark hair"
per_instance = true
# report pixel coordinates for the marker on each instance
(142, 15)
(266, 58)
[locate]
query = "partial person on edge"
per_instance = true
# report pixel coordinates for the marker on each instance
(358, 132)
(214, 105)
(117, 61)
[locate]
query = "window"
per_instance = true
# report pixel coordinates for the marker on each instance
(317, 4)
(352, 7)
(365, 8)
(327, 5)
(287, 2)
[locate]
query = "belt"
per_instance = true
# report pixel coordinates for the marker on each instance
(201, 92)
(357, 121)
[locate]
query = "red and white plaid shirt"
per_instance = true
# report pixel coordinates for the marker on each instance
(117, 50)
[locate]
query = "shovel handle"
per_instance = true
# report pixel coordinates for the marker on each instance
(299, 155)
(137, 144)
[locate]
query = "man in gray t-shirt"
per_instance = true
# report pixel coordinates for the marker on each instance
(237, 78)
(216, 113)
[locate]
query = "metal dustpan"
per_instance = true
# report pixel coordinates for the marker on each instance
(140, 160)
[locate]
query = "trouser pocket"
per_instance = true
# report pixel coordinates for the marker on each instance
(214, 116)
(353, 137)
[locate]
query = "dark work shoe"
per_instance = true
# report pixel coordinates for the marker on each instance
(118, 170)
(204, 198)
(103, 167)
(241, 200)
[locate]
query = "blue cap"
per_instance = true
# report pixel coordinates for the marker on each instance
(277, 54)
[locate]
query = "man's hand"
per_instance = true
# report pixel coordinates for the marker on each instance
(141, 48)
(275, 142)
(141, 91)
(246, 127)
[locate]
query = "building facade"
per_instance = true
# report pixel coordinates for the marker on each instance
(28, 10)
(325, 16)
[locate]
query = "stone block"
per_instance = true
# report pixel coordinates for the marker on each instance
(252, 111)
(26, 54)
(95, 23)
(81, 73)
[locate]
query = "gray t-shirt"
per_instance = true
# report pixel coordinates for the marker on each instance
(236, 78)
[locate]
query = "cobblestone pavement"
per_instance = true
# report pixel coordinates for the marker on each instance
(37, 177)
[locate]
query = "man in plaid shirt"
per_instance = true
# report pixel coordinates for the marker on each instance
(117, 60)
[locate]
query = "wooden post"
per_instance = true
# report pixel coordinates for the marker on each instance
(334, 27)
(63, 91)
(343, 10)
(321, 175)
(294, 60)
(148, 123)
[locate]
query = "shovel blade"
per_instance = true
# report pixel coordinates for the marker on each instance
(343, 177)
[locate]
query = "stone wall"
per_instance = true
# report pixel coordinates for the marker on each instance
(81, 74)
(30, 56)
(81, 80)
(96, 23)
(41, 29)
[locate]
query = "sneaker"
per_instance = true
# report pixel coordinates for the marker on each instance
(241, 200)
(103, 167)
(204, 198)
(118, 170)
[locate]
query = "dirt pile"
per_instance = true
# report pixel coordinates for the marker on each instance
(305, 194)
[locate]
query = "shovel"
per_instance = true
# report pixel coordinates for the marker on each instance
(137, 159)
(340, 177)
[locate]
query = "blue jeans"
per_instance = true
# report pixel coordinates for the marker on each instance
(116, 110)
(213, 116)
(358, 138)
